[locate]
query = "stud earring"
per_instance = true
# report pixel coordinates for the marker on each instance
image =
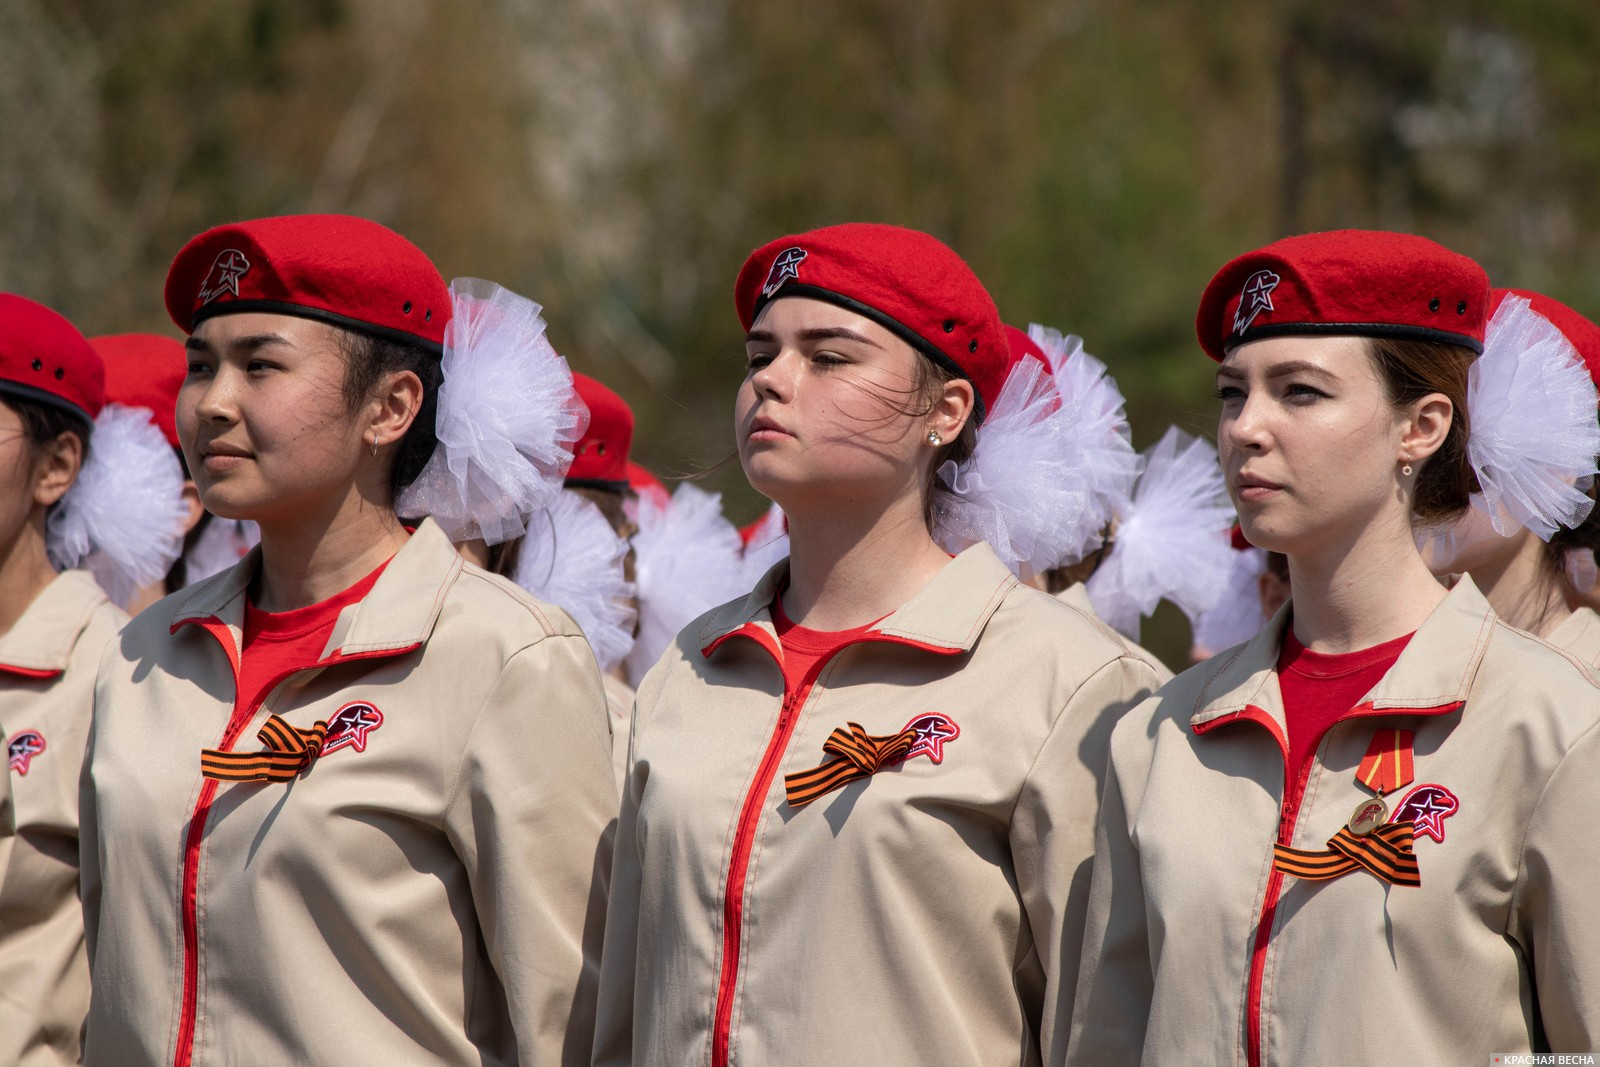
(934, 438)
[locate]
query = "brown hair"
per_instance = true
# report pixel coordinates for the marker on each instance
(1410, 370)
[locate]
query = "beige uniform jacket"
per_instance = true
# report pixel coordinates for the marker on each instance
(619, 702)
(47, 668)
(1579, 634)
(1077, 595)
(1198, 951)
(926, 914)
(429, 890)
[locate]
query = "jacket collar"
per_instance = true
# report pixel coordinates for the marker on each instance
(396, 616)
(40, 644)
(1433, 675)
(946, 615)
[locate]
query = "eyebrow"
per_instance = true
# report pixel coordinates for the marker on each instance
(819, 333)
(1281, 370)
(249, 343)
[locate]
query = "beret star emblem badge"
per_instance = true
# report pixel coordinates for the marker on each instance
(1254, 298)
(223, 279)
(785, 268)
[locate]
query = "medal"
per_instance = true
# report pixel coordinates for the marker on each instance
(1368, 816)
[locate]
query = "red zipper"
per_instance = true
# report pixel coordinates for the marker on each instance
(183, 1055)
(750, 816)
(1288, 816)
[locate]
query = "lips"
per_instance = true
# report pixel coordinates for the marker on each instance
(763, 428)
(1253, 488)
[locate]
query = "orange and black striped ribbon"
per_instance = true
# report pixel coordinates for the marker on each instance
(1387, 853)
(857, 755)
(1388, 764)
(290, 750)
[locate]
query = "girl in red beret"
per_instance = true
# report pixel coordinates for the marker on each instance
(1532, 550)
(344, 802)
(857, 818)
(85, 485)
(1365, 834)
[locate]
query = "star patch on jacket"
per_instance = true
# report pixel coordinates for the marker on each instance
(858, 754)
(290, 749)
(21, 749)
(1427, 807)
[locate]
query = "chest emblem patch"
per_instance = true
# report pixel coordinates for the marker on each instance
(1427, 807)
(932, 732)
(21, 749)
(350, 726)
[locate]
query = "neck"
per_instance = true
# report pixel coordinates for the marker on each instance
(1522, 589)
(1363, 592)
(24, 571)
(305, 559)
(849, 568)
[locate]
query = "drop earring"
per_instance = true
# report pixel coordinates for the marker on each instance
(374, 444)
(1406, 470)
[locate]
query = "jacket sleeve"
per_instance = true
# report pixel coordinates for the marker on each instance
(613, 1039)
(1115, 984)
(529, 814)
(1555, 914)
(1053, 835)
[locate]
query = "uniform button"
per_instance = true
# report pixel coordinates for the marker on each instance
(1370, 814)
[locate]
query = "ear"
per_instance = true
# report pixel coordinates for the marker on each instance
(55, 467)
(192, 509)
(1424, 427)
(394, 407)
(952, 409)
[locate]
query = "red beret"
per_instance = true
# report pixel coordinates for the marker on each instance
(904, 280)
(1347, 282)
(338, 269)
(1022, 346)
(1584, 335)
(144, 370)
(44, 358)
(600, 457)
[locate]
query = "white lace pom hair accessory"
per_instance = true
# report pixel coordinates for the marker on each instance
(1236, 615)
(220, 545)
(123, 518)
(507, 419)
(1534, 435)
(1102, 440)
(1023, 490)
(686, 561)
(573, 559)
(767, 544)
(1171, 541)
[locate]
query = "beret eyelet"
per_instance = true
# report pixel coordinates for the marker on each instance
(972, 345)
(38, 364)
(1461, 308)
(949, 325)
(405, 309)
(61, 372)
(600, 448)
(1433, 305)
(428, 317)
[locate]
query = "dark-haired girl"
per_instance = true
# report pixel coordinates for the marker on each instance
(344, 801)
(1366, 834)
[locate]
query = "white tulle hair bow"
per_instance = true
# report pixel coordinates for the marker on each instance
(507, 419)
(1023, 490)
(1102, 440)
(769, 543)
(573, 559)
(1171, 540)
(223, 543)
(1534, 436)
(123, 518)
(687, 560)
(1236, 615)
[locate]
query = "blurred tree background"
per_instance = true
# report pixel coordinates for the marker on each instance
(1095, 160)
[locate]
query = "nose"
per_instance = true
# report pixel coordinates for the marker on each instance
(216, 401)
(1245, 427)
(775, 381)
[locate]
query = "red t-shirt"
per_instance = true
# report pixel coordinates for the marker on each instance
(1320, 687)
(277, 642)
(805, 649)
